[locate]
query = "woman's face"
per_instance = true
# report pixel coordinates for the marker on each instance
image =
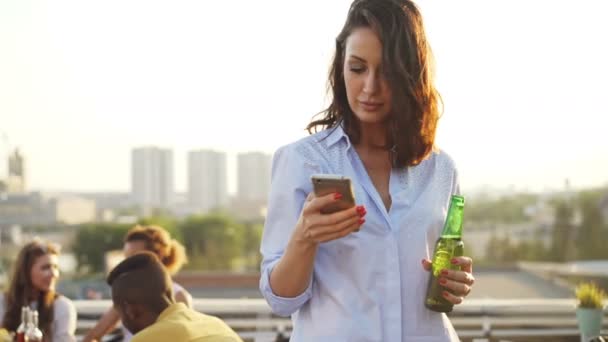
(133, 247)
(45, 272)
(368, 92)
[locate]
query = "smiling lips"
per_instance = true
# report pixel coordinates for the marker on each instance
(370, 106)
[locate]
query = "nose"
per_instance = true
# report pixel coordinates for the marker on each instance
(372, 82)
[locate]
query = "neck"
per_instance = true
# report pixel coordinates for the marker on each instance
(373, 136)
(151, 314)
(34, 295)
(161, 306)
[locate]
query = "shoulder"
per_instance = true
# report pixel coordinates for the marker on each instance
(443, 160)
(182, 295)
(303, 155)
(442, 171)
(63, 306)
(307, 147)
(438, 169)
(177, 288)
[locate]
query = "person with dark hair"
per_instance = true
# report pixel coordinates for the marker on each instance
(172, 255)
(142, 295)
(32, 284)
(356, 275)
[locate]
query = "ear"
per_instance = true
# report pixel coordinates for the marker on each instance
(132, 311)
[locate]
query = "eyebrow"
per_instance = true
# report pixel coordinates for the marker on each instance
(358, 58)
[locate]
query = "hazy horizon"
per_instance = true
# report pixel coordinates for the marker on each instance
(81, 84)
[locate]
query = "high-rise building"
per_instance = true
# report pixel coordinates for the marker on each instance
(253, 176)
(152, 177)
(207, 180)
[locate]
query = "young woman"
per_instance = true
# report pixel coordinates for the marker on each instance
(356, 275)
(33, 284)
(171, 253)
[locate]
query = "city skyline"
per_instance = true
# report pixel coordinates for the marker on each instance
(77, 94)
(207, 186)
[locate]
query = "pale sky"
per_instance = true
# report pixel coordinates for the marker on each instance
(83, 82)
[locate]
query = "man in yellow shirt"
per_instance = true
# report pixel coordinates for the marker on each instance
(142, 295)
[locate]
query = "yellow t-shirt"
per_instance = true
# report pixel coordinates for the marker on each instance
(178, 323)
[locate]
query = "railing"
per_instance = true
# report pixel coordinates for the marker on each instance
(474, 320)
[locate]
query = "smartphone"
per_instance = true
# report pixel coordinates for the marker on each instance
(324, 184)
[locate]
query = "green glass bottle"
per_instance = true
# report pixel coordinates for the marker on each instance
(448, 246)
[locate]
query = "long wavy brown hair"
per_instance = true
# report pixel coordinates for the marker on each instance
(20, 289)
(156, 239)
(407, 63)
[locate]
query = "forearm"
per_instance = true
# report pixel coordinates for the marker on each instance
(106, 324)
(291, 275)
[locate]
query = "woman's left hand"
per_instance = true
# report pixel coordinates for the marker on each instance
(459, 283)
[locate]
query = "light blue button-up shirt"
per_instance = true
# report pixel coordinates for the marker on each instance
(369, 285)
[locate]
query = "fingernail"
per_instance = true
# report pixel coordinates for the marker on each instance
(454, 261)
(422, 261)
(444, 272)
(361, 221)
(445, 294)
(337, 195)
(443, 281)
(360, 209)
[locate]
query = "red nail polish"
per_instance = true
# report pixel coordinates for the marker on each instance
(445, 294)
(361, 221)
(454, 261)
(337, 195)
(360, 209)
(443, 281)
(444, 272)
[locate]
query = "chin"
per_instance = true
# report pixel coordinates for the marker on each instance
(47, 288)
(371, 117)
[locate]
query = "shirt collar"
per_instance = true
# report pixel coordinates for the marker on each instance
(336, 134)
(170, 309)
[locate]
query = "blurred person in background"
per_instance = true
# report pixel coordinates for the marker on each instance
(361, 274)
(142, 295)
(172, 255)
(33, 284)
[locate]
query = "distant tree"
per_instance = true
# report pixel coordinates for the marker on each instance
(507, 209)
(593, 232)
(252, 235)
(213, 242)
(501, 250)
(531, 251)
(562, 247)
(92, 241)
(493, 249)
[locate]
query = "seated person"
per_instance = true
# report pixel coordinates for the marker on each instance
(32, 284)
(143, 297)
(171, 254)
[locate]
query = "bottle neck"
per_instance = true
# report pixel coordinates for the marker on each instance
(24, 315)
(452, 229)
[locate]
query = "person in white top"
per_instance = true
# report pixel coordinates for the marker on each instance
(172, 255)
(33, 284)
(360, 274)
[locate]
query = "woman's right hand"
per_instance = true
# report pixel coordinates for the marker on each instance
(314, 227)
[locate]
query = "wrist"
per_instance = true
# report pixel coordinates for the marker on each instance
(302, 244)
